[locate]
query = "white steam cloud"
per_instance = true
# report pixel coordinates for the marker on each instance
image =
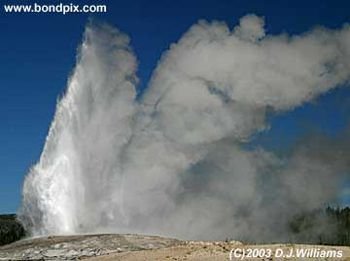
(173, 163)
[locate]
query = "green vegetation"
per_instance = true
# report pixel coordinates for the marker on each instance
(341, 217)
(10, 229)
(330, 226)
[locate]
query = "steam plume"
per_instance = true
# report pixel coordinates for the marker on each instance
(173, 162)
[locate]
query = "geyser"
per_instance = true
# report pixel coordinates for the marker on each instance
(174, 162)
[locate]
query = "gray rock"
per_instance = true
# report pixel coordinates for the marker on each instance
(54, 252)
(79, 246)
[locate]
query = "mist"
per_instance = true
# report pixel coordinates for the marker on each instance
(173, 162)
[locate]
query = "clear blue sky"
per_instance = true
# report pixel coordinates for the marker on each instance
(38, 53)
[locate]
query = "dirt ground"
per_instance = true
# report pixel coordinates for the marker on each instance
(131, 247)
(206, 251)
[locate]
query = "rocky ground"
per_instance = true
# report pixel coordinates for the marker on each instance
(138, 247)
(80, 246)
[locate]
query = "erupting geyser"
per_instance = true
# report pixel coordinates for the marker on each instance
(172, 162)
(73, 185)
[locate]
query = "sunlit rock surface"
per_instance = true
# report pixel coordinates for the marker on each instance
(128, 247)
(80, 246)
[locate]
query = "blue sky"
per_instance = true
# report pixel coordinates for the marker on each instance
(38, 53)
